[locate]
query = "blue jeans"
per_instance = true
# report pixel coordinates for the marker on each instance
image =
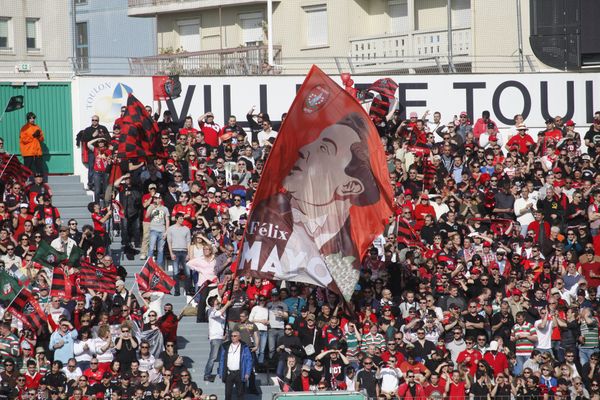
(156, 238)
(518, 369)
(100, 183)
(586, 353)
(215, 345)
(179, 264)
(90, 165)
(263, 335)
(274, 335)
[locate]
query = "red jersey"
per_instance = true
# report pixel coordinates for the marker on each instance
(522, 141)
(211, 133)
(98, 224)
(470, 359)
(189, 210)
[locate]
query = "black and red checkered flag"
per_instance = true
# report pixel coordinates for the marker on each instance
(27, 309)
(11, 169)
(140, 136)
(152, 278)
(96, 279)
(62, 286)
(380, 106)
(407, 235)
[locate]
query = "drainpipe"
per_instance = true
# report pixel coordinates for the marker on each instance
(270, 30)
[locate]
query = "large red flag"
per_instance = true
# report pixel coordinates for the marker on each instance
(62, 286)
(152, 278)
(27, 309)
(140, 136)
(11, 169)
(325, 193)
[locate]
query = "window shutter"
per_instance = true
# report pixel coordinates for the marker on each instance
(398, 10)
(317, 28)
(252, 31)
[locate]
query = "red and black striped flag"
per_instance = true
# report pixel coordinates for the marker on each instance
(407, 235)
(62, 286)
(27, 309)
(152, 278)
(140, 136)
(96, 279)
(11, 169)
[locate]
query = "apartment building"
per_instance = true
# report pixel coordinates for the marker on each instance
(35, 37)
(362, 35)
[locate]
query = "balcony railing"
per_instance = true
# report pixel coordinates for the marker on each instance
(409, 50)
(251, 60)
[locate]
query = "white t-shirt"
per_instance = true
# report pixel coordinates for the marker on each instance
(390, 378)
(259, 313)
(216, 324)
(527, 216)
(263, 137)
(233, 356)
(544, 336)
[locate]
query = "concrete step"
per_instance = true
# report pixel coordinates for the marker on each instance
(57, 179)
(64, 201)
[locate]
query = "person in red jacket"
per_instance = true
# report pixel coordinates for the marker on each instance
(522, 140)
(496, 359)
(470, 357)
(411, 390)
(456, 387)
(422, 209)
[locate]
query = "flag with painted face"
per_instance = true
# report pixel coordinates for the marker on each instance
(325, 194)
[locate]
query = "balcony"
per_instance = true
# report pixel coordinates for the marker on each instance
(410, 51)
(149, 8)
(250, 60)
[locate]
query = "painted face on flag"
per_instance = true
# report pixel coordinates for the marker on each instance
(327, 153)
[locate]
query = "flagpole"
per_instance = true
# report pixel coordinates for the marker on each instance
(7, 163)
(192, 298)
(13, 300)
(4, 110)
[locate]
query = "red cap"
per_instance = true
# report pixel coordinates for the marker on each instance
(487, 244)
(171, 161)
(517, 292)
(407, 192)
(100, 250)
(475, 271)
(493, 138)
(494, 265)
(424, 197)
(570, 123)
(557, 170)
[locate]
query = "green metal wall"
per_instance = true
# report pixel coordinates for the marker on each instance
(51, 102)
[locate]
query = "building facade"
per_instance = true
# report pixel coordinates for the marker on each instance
(357, 35)
(35, 38)
(105, 36)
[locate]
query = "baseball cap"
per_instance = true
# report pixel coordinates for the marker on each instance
(491, 125)
(24, 205)
(570, 123)
(275, 291)
(517, 292)
(212, 190)
(554, 291)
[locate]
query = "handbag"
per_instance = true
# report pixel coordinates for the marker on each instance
(309, 349)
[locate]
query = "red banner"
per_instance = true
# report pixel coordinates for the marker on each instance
(325, 193)
(158, 87)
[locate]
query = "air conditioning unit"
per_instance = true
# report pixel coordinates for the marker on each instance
(23, 67)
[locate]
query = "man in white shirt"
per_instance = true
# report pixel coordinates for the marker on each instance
(524, 207)
(390, 377)
(544, 327)
(266, 134)
(216, 329)
(63, 242)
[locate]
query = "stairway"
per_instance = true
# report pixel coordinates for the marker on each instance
(71, 199)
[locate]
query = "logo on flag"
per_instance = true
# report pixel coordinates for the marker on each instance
(154, 281)
(315, 99)
(7, 289)
(326, 194)
(28, 308)
(51, 259)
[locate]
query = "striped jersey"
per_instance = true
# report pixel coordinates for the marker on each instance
(590, 334)
(523, 346)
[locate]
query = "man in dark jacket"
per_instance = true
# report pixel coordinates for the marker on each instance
(235, 365)
(94, 131)
(131, 201)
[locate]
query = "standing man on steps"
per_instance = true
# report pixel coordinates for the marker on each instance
(235, 365)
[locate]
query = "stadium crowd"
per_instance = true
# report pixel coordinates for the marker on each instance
(483, 285)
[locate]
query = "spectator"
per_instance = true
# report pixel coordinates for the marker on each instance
(235, 365)
(30, 139)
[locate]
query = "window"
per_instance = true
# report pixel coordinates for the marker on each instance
(80, 2)
(317, 31)
(189, 34)
(461, 13)
(82, 46)
(33, 34)
(398, 10)
(5, 37)
(252, 31)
